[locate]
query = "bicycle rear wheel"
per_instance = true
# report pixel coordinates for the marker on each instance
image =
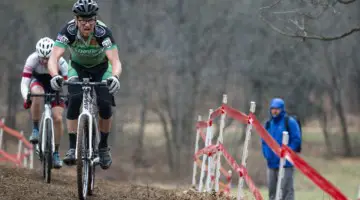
(82, 161)
(38, 146)
(47, 155)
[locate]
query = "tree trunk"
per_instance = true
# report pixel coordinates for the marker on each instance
(139, 151)
(12, 98)
(324, 126)
(346, 139)
(335, 93)
(335, 97)
(169, 143)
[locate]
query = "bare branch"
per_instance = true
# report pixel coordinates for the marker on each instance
(346, 2)
(300, 25)
(313, 37)
(270, 6)
(305, 35)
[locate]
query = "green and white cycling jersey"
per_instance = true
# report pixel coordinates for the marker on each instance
(91, 52)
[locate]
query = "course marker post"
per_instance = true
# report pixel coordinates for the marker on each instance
(196, 149)
(285, 141)
(246, 151)
(220, 140)
(2, 132)
(204, 158)
(20, 147)
(211, 166)
(31, 159)
(25, 159)
(229, 181)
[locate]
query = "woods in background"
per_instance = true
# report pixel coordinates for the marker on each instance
(179, 57)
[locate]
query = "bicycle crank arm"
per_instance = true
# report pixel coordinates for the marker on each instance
(38, 152)
(95, 161)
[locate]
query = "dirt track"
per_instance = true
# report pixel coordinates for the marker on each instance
(22, 184)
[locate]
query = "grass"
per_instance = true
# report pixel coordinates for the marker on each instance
(342, 173)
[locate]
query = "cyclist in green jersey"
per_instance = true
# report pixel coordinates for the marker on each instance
(94, 55)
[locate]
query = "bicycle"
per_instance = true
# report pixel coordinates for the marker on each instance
(46, 145)
(87, 138)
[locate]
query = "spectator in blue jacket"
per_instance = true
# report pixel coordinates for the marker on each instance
(275, 129)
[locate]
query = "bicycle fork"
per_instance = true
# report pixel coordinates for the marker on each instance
(46, 117)
(86, 114)
(44, 135)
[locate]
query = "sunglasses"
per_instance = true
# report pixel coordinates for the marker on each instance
(91, 21)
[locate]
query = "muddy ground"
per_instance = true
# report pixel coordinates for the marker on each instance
(23, 184)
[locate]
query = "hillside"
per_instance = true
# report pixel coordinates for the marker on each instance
(19, 184)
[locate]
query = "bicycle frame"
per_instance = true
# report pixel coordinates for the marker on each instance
(88, 112)
(46, 116)
(86, 176)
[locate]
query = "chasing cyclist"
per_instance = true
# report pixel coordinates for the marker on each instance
(36, 78)
(94, 55)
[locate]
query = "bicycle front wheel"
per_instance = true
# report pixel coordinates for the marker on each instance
(47, 158)
(82, 161)
(93, 166)
(91, 180)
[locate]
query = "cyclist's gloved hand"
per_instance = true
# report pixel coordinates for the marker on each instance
(27, 104)
(57, 82)
(113, 84)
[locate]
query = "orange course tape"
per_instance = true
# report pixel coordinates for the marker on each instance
(221, 184)
(223, 171)
(9, 157)
(16, 134)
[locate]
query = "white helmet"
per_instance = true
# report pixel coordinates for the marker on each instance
(44, 47)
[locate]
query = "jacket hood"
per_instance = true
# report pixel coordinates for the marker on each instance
(277, 103)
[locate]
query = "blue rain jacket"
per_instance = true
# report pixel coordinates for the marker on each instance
(277, 126)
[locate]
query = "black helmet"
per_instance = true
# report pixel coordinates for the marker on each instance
(86, 8)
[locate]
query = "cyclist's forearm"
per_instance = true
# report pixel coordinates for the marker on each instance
(116, 68)
(25, 82)
(53, 67)
(113, 57)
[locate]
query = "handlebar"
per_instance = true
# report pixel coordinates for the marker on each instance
(86, 82)
(46, 96)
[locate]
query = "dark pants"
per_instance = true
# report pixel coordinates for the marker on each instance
(104, 100)
(287, 183)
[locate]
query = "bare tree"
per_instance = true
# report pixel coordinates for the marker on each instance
(298, 21)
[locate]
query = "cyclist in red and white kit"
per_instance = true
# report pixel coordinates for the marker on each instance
(36, 78)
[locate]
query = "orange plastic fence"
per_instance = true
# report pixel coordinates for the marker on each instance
(16, 134)
(223, 171)
(9, 157)
(240, 170)
(15, 159)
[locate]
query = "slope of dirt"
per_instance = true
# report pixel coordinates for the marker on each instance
(21, 184)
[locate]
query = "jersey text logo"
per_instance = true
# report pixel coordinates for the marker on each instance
(107, 43)
(62, 39)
